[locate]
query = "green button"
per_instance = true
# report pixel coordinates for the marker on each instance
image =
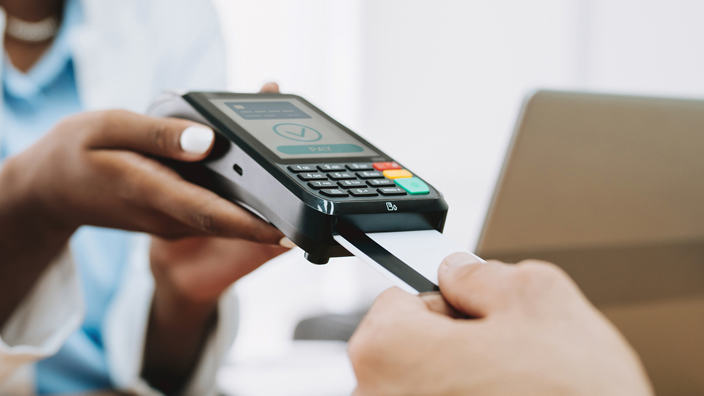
(413, 185)
(320, 149)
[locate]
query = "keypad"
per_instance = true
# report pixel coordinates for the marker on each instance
(331, 167)
(363, 192)
(301, 168)
(381, 183)
(334, 192)
(341, 175)
(359, 167)
(392, 191)
(370, 175)
(322, 184)
(312, 176)
(413, 185)
(360, 179)
(382, 166)
(397, 173)
(352, 183)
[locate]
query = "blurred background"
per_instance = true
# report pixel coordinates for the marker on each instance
(438, 85)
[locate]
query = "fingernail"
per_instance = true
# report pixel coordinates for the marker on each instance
(459, 259)
(196, 139)
(287, 243)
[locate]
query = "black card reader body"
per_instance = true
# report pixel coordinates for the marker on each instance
(288, 162)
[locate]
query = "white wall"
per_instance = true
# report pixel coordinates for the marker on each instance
(438, 84)
(443, 81)
(646, 47)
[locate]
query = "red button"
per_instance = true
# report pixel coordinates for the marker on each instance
(382, 166)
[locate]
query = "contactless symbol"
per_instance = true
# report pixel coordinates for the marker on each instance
(297, 132)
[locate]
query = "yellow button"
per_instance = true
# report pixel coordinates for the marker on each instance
(397, 174)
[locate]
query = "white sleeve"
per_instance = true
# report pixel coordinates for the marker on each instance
(126, 329)
(46, 317)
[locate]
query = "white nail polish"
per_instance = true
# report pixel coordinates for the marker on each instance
(287, 243)
(197, 139)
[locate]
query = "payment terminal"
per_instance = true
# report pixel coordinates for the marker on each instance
(315, 180)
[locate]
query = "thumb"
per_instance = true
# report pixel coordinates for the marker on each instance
(473, 287)
(164, 137)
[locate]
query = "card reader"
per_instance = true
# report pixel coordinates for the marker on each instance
(311, 177)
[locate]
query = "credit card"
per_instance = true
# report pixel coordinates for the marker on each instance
(410, 259)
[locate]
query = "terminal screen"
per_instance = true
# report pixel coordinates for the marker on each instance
(291, 130)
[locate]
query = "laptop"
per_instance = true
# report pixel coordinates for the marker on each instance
(611, 189)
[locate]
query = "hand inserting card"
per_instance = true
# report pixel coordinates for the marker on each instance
(410, 259)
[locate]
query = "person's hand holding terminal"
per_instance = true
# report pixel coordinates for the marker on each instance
(191, 273)
(102, 169)
(531, 332)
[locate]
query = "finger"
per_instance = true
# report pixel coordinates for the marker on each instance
(211, 214)
(391, 307)
(436, 303)
(270, 87)
(226, 260)
(473, 287)
(157, 190)
(396, 302)
(164, 137)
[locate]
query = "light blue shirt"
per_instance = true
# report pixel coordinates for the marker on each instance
(33, 103)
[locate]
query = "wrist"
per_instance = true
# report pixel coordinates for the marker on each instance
(28, 241)
(178, 329)
(22, 205)
(178, 310)
(177, 333)
(24, 219)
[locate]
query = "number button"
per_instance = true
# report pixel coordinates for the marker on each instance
(334, 192)
(359, 167)
(381, 183)
(363, 192)
(341, 175)
(392, 191)
(301, 168)
(322, 184)
(370, 175)
(312, 176)
(352, 183)
(330, 168)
